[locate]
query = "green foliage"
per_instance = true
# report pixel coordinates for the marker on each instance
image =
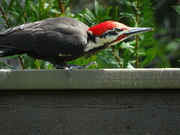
(99, 15)
(177, 8)
(139, 52)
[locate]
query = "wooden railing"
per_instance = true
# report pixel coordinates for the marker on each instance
(90, 102)
(91, 79)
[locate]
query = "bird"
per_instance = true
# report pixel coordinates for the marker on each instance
(62, 39)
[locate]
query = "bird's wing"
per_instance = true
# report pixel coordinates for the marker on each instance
(50, 37)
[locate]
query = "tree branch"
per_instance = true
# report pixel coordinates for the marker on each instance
(5, 18)
(116, 56)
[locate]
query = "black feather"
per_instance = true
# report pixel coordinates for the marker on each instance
(54, 39)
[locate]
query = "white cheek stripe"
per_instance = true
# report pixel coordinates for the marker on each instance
(99, 42)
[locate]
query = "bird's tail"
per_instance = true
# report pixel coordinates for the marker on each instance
(5, 50)
(9, 51)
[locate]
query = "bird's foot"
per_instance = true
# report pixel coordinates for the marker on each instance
(59, 66)
(72, 66)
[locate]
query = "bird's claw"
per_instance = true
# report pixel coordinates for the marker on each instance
(70, 66)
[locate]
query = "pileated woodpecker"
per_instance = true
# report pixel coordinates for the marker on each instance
(63, 39)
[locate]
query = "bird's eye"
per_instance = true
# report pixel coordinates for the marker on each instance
(118, 30)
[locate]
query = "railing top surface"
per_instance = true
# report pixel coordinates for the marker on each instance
(144, 78)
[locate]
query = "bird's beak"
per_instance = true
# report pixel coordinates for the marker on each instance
(134, 31)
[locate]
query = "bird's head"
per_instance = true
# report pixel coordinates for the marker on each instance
(111, 32)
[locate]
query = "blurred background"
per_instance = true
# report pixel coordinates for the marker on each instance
(157, 49)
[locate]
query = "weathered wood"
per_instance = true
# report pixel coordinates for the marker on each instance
(109, 112)
(90, 79)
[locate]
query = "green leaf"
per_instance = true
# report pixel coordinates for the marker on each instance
(34, 7)
(125, 14)
(128, 3)
(96, 6)
(177, 9)
(11, 4)
(68, 12)
(4, 65)
(150, 55)
(90, 14)
(46, 5)
(55, 11)
(5, 5)
(126, 45)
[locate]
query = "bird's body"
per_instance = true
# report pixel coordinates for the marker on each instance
(61, 39)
